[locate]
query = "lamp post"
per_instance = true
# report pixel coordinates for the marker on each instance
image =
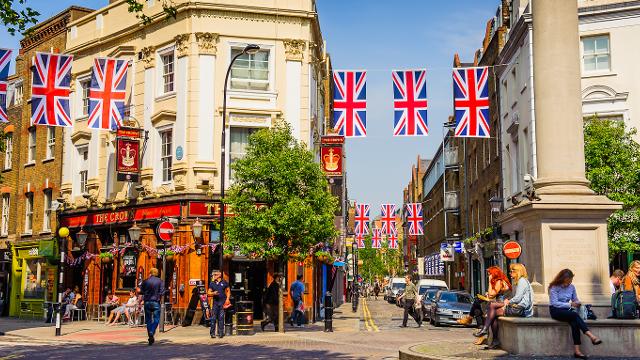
(196, 228)
(63, 233)
(249, 49)
(496, 208)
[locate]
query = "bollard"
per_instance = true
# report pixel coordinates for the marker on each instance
(328, 312)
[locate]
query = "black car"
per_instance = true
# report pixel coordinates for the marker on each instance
(428, 296)
(449, 306)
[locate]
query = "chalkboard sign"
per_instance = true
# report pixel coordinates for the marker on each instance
(204, 302)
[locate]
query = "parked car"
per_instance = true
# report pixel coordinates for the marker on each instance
(428, 298)
(449, 306)
(394, 287)
(432, 283)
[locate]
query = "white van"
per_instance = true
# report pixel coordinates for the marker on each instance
(395, 285)
(432, 283)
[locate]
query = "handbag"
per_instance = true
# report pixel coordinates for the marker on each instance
(513, 310)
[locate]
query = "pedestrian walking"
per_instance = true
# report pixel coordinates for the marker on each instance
(296, 291)
(152, 291)
(376, 290)
(271, 302)
(408, 299)
(220, 292)
(564, 305)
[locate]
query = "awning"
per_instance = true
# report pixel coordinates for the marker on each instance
(338, 263)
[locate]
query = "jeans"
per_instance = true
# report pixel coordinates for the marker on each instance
(152, 316)
(68, 309)
(217, 317)
(476, 312)
(296, 317)
(574, 320)
(407, 304)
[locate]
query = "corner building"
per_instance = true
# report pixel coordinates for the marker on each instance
(175, 93)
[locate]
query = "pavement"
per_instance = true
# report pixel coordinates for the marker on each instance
(372, 332)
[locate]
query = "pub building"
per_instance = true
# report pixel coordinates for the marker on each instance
(111, 262)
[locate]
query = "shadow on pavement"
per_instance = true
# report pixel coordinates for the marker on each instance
(11, 324)
(167, 351)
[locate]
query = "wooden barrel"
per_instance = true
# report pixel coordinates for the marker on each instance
(244, 318)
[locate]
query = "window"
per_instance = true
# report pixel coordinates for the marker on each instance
(85, 84)
(167, 72)
(250, 71)
(128, 263)
(51, 142)
(4, 226)
(166, 154)
(32, 145)
(17, 94)
(8, 151)
(46, 221)
(83, 169)
(596, 53)
(239, 137)
(28, 214)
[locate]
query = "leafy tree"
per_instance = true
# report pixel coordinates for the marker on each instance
(15, 16)
(297, 217)
(613, 168)
(379, 262)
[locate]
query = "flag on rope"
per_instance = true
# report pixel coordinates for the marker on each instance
(5, 59)
(50, 87)
(471, 101)
(362, 219)
(410, 103)
(392, 240)
(350, 103)
(388, 218)
(360, 241)
(107, 93)
(414, 218)
(376, 238)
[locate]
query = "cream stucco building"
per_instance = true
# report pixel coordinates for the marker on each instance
(175, 89)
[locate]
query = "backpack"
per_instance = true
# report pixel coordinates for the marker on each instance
(624, 304)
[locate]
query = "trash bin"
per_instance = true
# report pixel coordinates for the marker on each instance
(228, 322)
(244, 318)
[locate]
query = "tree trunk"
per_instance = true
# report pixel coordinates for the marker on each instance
(281, 307)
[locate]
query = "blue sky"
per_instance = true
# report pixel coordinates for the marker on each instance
(380, 36)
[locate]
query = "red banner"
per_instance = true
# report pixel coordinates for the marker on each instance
(210, 209)
(331, 157)
(123, 216)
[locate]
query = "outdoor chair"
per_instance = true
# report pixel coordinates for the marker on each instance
(80, 312)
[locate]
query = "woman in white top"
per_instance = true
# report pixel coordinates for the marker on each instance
(127, 309)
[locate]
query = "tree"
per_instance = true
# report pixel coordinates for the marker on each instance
(372, 264)
(613, 168)
(17, 17)
(283, 208)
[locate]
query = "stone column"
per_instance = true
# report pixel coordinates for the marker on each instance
(565, 224)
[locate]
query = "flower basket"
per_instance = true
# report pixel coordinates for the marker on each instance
(170, 257)
(106, 257)
(228, 254)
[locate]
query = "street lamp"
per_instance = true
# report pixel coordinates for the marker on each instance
(249, 49)
(134, 233)
(197, 234)
(496, 208)
(81, 237)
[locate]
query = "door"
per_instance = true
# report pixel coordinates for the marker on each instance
(248, 281)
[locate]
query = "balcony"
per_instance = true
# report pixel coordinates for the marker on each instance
(451, 156)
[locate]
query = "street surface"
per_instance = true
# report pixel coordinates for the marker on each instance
(371, 333)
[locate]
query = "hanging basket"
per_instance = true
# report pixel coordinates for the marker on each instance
(227, 256)
(106, 260)
(170, 257)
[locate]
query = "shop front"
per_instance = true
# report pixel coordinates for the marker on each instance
(5, 281)
(34, 277)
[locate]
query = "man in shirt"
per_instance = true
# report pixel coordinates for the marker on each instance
(271, 302)
(219, 290)
(296, 291)
(153, 291)
(615, 280)
(408, 298)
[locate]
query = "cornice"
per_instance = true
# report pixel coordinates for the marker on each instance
(294, 49)
(45, 33)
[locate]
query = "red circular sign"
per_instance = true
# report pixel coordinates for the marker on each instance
(165, 231)
(512, 249)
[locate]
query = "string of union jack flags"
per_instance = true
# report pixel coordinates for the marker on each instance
(388, 224)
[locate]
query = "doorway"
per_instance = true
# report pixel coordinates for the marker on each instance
(247, 280)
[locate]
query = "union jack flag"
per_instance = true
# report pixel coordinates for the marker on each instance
(410, 103)
(5, 59)
(414, 218)
(360, 241)
(376, 239)
(362, 219)
(392, 240)
(50, 90)
(471, 101)
(350, 103)
(107, 93)
(388, 218)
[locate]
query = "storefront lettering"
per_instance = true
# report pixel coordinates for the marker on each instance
(129, 215)
(211, 209)
(111, 217)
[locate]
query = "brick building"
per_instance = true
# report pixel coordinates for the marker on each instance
(413, 193)
(34, 176)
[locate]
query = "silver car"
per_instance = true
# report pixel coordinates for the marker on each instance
(449, 306)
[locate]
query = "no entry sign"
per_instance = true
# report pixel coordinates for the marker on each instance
(165, 231)
(512, 249)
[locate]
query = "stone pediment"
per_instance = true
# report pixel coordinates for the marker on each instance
(81, 137)
(602, 93)
(162, 117)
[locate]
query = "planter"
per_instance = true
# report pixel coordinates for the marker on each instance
(169, 257)
(322, 258)
(106, 260)
(227, 256)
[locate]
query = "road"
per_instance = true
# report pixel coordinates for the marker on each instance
(371, 333)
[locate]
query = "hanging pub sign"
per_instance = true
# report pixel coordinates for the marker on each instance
(128, 154)
(331, 160)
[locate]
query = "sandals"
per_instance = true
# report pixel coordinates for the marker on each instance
(597, 341)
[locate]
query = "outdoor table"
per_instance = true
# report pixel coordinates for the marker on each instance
(103, 309)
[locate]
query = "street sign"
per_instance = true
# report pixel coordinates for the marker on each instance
(165, 231)
(511, 249)
(446, 252)
(457, 246)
